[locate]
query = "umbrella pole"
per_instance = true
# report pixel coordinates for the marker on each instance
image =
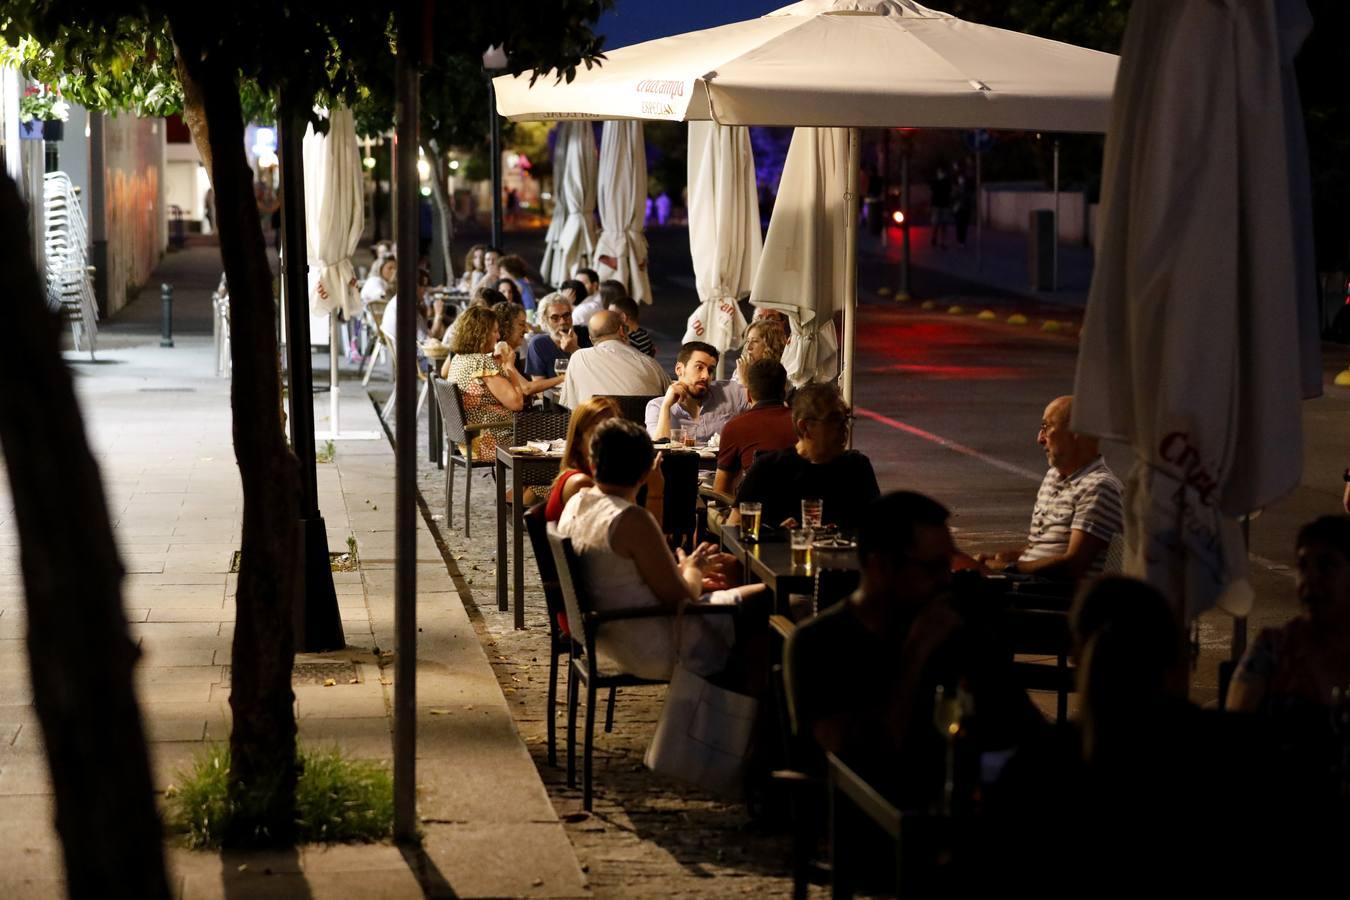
(850, 264)
(903, 292)
(979, 211)
(334, 345)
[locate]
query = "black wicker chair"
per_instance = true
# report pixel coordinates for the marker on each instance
(633, 407)
(459, 434)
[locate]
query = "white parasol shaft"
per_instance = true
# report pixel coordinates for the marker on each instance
(850, 266)
(334, 344)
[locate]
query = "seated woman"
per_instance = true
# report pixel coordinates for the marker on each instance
(626, 563)
(1299, 664)
(509, 289)
(484, 369)
(511, 321)
(473, 267)
(575, 471)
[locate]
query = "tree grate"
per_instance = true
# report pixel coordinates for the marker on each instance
(320, 673)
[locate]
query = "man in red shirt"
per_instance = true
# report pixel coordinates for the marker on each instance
(765, 426)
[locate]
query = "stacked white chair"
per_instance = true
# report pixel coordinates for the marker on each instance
(70, 284)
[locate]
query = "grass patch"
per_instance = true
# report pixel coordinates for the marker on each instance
(337, 800)
(326, 453)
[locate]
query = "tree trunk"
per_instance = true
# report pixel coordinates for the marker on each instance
(80, 654)
(441, 191)
(262, 740)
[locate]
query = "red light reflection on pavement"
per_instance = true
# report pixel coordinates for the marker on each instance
(930, 349)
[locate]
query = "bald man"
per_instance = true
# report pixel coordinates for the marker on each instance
(1079, 508)
(611, 366)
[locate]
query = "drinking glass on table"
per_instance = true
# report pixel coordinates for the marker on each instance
(677, 437)
(812, 510)
(750, 516)
(688, 435)
(560, 365)
(801, 540)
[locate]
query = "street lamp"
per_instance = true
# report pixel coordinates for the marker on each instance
(494, 63)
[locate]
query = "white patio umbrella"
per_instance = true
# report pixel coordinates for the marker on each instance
(724, 238)
(1201, 337)
(623, 208)
(334, 217)
(802, 268)
(840, 63)
(575, 209)
(562, 137)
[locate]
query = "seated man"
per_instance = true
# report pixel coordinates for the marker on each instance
(764, 427)
(695, 400)
(626, 563)
(819, 466)
(610, 366)
(630, 313)
(560, 341)
(591, 298)
(1079, 508)
(863, 674)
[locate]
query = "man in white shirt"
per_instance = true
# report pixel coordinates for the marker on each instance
(610, 366)
(585, 307)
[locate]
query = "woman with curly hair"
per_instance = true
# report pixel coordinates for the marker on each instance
(484, 368)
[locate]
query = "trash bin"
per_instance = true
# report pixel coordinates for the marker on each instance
(1041, 249)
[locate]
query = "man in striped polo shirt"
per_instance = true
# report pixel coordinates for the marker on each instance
(1079, 507)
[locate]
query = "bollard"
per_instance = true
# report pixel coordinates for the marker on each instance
(166, 327)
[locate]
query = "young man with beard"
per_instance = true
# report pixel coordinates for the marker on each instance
(695, 400)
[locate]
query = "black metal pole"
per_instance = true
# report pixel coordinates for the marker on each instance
(98, 210)
(405, 434)
(903, 292)
(317, 622)
(166, 315)
(496, 122)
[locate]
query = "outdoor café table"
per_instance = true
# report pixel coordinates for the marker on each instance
(770, 561)
(523, 469)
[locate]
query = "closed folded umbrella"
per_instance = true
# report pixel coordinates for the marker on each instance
(562, 136)
(802, 269)
(724, 238)
(621, 251)
(334, 219)
(334, 213)
(575, 211)
(1200, 336)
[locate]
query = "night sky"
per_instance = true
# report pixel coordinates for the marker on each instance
(634, 21)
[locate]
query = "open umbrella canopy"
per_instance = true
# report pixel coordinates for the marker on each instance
(724, 238)
(1200, 337)
(859, 63)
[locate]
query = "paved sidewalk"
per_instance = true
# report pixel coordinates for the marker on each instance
(159, 423)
